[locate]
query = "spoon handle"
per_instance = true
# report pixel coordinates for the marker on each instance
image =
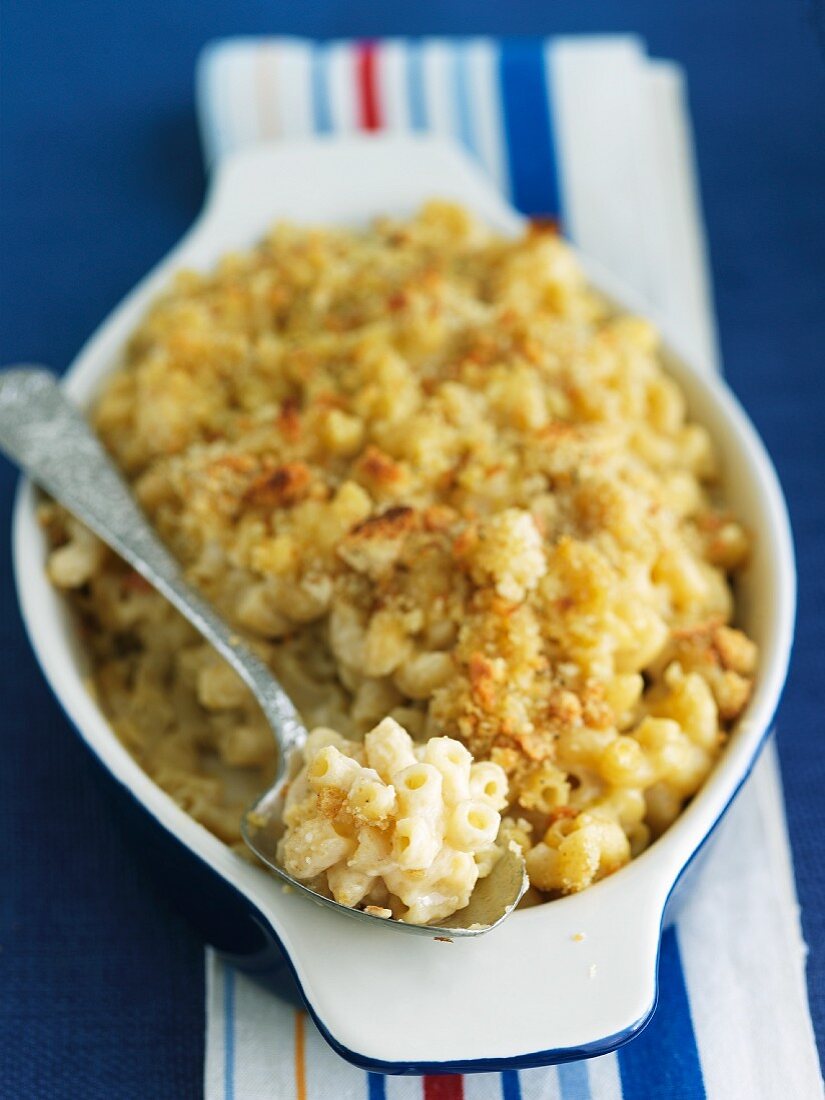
(48, 437)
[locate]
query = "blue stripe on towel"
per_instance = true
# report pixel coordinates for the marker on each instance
(574, 1083)
(321, 113)
(510, 1085)
(376, 1086)
(526, 109)
(664, 1059)
(461, 95)
(415, 86)
(229, 1033)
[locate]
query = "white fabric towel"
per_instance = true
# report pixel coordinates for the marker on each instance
(629, 199)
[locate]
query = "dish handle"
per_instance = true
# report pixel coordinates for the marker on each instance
(591, 981)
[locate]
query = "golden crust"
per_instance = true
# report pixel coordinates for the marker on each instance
(427, 473)
(279, 486)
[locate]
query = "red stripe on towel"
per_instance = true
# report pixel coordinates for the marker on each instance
(444, 1087)
(366, 74)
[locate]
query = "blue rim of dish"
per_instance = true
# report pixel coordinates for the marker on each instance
(555, 1056)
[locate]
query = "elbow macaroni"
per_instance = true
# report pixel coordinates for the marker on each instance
(407, 838)
(437, 484)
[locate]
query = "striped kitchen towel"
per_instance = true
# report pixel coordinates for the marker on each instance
(591, 132)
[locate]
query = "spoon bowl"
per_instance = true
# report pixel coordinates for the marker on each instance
(493, 899)
(45, 434)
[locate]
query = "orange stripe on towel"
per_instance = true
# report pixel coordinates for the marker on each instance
(300, 1057)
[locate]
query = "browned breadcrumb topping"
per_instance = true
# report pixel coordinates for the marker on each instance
(426, 473)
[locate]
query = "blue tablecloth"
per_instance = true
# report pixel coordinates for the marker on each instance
(102, 986)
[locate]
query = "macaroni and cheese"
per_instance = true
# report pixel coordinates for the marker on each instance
(432, 479)
(399, 829)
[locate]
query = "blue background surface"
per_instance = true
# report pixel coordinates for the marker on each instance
(101, 985)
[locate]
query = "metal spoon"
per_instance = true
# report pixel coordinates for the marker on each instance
(47, 436)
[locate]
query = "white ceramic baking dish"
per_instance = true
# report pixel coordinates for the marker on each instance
(528, 993)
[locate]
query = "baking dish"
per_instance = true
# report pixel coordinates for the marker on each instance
(570, 978)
